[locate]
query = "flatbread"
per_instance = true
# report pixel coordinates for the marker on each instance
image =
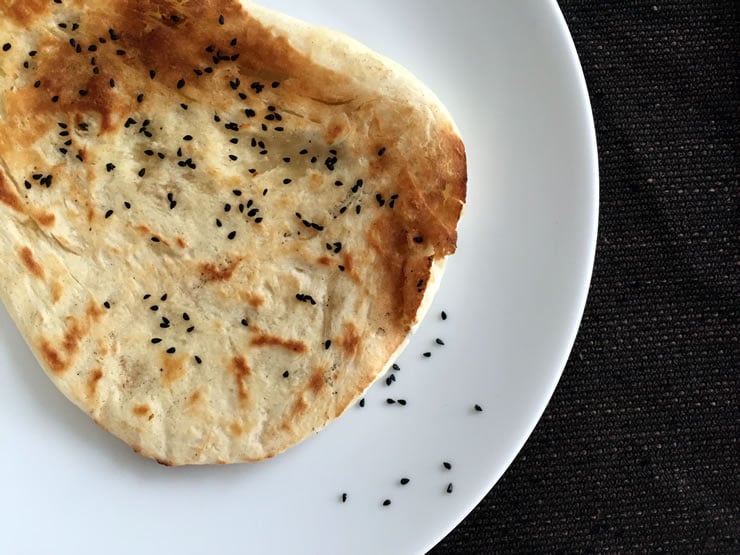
(218, 225)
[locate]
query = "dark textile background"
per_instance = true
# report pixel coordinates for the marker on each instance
(638, 450)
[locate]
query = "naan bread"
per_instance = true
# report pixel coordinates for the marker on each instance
(218, 224)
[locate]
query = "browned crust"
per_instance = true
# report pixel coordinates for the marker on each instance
(241, 371)
(292, 345)
(93, 380)
(29, 262)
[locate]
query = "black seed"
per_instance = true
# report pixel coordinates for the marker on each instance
(152, 74)
(83, 92)
(190, 329)
(344, 498)
(127, 205)
(390, 401)
(244, 322)
(218, 223)
(156, 340)
(37, 84)
(106, 304)
(402, 402)
(232, 235)
(449, 487)
(227, 207)
(7, 46)
(184, 106)
(404, 481)
(303, 152)
(418, 240)
(121, 52)
(155, 239)
(154, 308)
(447, 465)
(286, 374)
(32, 53)
(275, 84)
(181, 83)
(341, 268)
(427, 355)
(237, 192)
(186, 316)
(327, 344)
(108, 214)
(140, 98)
(478, 408)
(287, 181)
(27, 184)
(233, 157)
(443, 315)
(362, 402)
(220, 20)
(396, 367)
(163, 297)
(358, 209)
(386, 502)
(197, 359)
(258, 220)
(187, 138)
(439, 341)
(234, 141)
(171, 351)
(147, 296)
(381, 151)
(142, 172)
(338, 183)
(112, 83)
(55, 98)
(233, 42)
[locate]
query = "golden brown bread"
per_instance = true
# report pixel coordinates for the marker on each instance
(218, 224)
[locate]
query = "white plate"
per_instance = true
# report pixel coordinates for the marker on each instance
(514, 294)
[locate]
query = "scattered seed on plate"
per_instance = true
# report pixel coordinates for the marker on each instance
(478, 408)
(438, 341)
(449, 488)
(427, 354)
(404, 481)
(447, 465)
(344, 498)
(362, 403)
(386, 502)
(443, 315)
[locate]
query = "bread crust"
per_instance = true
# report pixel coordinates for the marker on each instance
(219, 224)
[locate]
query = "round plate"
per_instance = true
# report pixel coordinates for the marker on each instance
(514, 296)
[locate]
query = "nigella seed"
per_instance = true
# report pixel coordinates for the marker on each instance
(147, 296)
(478, 408)
(402, 402)
(427, 355)
(187, 138)
(140, 98)
(37, 84)
(286, 374)
(344, 498)
(127, 204)
(198, 359)
(396, 367)
(7, 46)
(386, 503)
(287, 181)
(152, 74)
(154, 308)
(449, 488)
(163, 297)
(447, 465)
(443, 315)
(327, 344)
(227, 207)
(244, 322)
(232, 235)
(221, 20)
(156, 340)
(438, 341)
(108, 214)
(418, 240)
(362, 402)
(106, 304)
(186, 316)
(233, 157)
(142, 172)
(191, 329)
(218, 223)
(171, 351)
(155, 240)
(181, 83)
(112, 83)
(27, 184)
(390, 401)
(381, 151)
(404, 481)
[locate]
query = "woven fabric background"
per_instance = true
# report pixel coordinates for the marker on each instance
(638, 450)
